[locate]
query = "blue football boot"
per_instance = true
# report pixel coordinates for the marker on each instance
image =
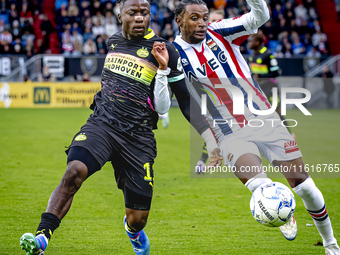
(140, 241)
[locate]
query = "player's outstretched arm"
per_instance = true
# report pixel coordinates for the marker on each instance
(246, 24)
(189, 106)
(258, 15)
(161, 93)
(214, 153)
(192, 112)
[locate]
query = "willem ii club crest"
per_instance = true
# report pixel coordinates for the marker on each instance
(212, 44)
(230, 157)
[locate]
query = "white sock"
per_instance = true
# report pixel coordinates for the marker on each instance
(315, 205)
(163, 116)
(257, 181)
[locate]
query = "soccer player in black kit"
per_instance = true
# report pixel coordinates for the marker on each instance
(263, 64)
(265, 69)
(138, 68)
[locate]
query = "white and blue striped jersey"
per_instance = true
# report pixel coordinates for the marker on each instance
(217, 60)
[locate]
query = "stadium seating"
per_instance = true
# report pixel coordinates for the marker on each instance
(287, 17)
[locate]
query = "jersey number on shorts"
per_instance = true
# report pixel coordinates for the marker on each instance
(148, 176)
(147, 169)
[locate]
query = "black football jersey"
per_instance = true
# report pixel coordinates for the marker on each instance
(128, 78)
(264, 64)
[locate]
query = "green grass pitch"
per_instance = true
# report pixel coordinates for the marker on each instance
(188, 215)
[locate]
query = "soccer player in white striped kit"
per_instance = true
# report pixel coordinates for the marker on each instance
(210, 56)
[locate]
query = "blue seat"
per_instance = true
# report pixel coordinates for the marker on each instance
(5, 18)
(58, 4)
(272, 44)
(153, 9)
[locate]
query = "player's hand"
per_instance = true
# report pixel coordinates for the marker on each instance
(216, 159)
(161, 54)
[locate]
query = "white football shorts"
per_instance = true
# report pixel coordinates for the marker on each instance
(272, 141)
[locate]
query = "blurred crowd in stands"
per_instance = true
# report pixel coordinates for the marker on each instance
(76, 28)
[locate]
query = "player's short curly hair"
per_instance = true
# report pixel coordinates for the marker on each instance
(121, 2)
(180, 8)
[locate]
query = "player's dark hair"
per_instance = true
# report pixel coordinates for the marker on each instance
(121, 2)
(259, 38)
(180, 9)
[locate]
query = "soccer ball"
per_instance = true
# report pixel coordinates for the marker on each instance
(272, 204)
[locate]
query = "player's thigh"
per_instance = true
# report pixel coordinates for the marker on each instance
(242, 156)
(276, 143)
(82, 162)
(92, 145)
(248, 166)
(133, 164)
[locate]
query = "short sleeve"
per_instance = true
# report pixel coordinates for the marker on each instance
(176, 73)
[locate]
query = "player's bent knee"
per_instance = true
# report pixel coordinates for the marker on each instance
(75, 175)
(137, 219)
(138, 224)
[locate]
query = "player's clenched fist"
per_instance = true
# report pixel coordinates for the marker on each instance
(161, 54)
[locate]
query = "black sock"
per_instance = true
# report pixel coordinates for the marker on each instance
(49, 222)
(204, 153)
(204, 157)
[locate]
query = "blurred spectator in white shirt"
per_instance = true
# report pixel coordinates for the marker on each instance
(318, 37)
(98, 17)
(67, 47)
(97, 29)
(66, 35)
(72, 6)
(77, 51)
(89, 47)
(16, 29)
(77, 37)
(314, 53)
(301, 11)
(110, 24)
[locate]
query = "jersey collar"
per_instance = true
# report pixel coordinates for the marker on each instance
(150, 34)
(185, 45)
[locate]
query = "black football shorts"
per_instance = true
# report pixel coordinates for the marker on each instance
(131, 154)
